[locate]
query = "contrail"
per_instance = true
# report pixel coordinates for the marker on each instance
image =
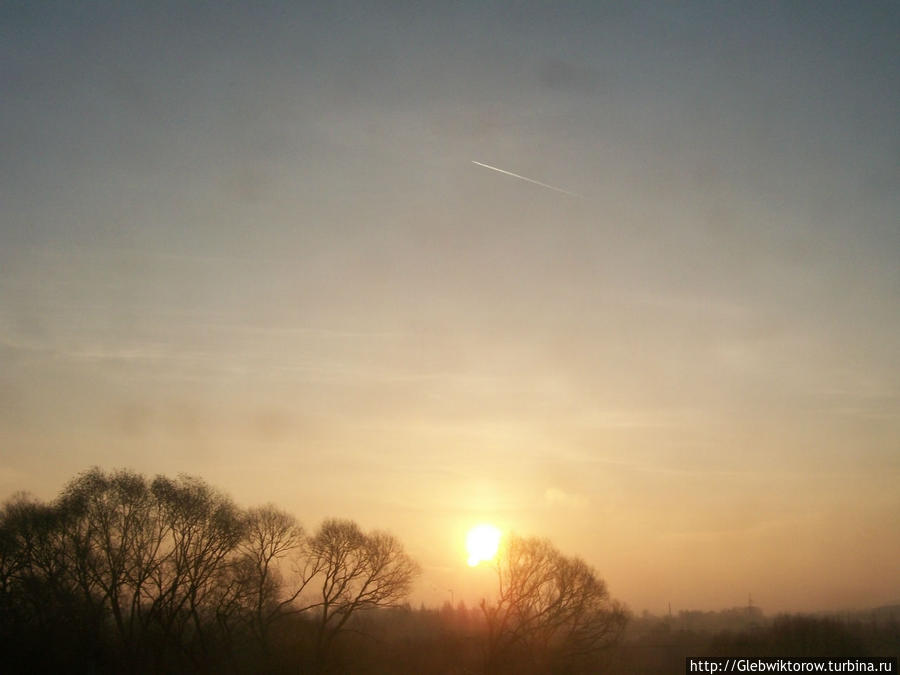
(530, 180)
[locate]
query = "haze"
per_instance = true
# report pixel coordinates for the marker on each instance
(249, 243)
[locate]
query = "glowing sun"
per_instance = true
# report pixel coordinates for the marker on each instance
(482, 543)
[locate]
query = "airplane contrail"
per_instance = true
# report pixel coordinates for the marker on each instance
(530, 180)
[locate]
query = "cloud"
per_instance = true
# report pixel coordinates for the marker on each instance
(554, 497)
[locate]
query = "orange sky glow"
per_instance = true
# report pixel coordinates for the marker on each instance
(264, 246)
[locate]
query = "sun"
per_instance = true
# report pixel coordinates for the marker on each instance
(482, 543)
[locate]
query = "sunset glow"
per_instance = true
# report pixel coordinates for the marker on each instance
(622, 276)
(482, 543)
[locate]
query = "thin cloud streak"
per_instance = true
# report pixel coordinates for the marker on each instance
(525, 178)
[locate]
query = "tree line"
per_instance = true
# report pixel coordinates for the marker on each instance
(121, 572)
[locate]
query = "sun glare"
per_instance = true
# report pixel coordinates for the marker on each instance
(482, 543)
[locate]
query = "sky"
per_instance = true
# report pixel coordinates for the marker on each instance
(255, 242)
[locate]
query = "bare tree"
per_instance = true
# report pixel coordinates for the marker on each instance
(17, 538)
(46, 545)
(35, 570)
(113, 538)
(550, 610)
(357, 571)
(202, 529)
(171, 570)
(273, 540)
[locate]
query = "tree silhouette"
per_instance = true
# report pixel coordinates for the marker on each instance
(357, 571)
(202, 529)
(42, 601)
(113, 535)
(552, 613)
(169, 574)
(272, 539)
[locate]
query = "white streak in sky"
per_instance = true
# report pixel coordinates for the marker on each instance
(530, 180)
